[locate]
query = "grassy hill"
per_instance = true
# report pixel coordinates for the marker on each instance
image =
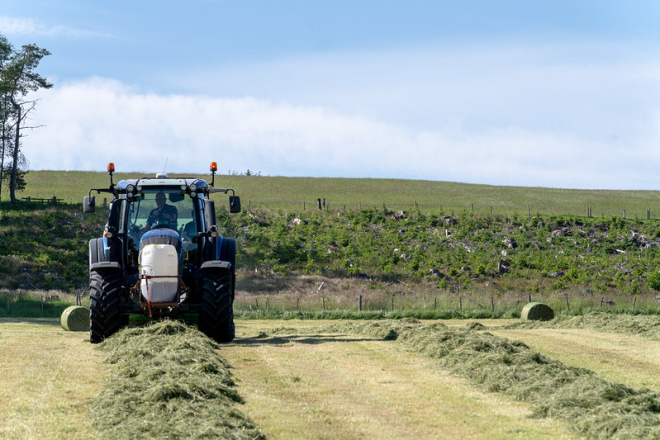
(290, 193)
(441, 244)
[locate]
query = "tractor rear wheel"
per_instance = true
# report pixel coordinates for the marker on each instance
(104, 307)
(216, 319)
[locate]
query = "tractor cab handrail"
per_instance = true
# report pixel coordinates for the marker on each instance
(221, 190)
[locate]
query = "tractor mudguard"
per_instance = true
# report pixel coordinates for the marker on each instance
(215, 265)
(101, 265)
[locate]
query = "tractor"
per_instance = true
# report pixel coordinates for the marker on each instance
(162, 256)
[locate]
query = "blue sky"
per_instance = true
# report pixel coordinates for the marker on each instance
(556, 94)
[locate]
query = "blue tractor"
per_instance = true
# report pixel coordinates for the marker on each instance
(161, 255)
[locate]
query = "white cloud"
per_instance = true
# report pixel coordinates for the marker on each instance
(29, 26)
(88, 124)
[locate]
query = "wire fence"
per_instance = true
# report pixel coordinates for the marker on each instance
(334, 206)
(455, 305)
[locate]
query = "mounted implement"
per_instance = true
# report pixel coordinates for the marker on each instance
(161, 255)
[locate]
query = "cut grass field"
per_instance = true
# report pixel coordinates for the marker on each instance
(326, 380)
(47, 378)
(289, 193)
(326, 386)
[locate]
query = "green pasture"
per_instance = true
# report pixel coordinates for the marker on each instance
(294, 193)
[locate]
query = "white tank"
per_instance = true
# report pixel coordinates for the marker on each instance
(159, 260)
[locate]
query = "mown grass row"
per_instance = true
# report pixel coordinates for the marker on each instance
(168, 381)
(593, 406)
(646, 326)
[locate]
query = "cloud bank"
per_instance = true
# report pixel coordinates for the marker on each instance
(90, 123)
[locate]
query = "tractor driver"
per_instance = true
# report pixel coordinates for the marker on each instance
(164, 214)
(189, 234)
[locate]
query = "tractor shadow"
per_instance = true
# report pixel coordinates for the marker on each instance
(52, 322)
(266, 339)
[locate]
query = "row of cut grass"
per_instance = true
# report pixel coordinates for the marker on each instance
(168, 381)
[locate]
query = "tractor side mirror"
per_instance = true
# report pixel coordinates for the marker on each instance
(89, 204)
(234, 204)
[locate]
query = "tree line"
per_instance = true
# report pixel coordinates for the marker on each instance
(18, 77)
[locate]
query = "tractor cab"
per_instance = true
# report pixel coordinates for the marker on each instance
(162, 241)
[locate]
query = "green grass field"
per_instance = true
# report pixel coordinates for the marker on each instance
(290, 193)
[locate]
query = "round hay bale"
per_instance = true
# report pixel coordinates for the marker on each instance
(537, 312)
(75, 319)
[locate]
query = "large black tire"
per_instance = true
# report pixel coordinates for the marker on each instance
(96, 251)
(228, 251)
(216, 319)
(104, 306)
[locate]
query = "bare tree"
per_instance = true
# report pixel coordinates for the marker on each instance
(17, 79)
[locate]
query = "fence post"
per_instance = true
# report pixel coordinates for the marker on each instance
(624, 213)
(360, 304)
(492, 303)
(568, 307)
(319, 203)
(460, 304)
(268, 304)
(323, 301)
(392, 302)
(634, 302)
(297, 303)
(435, 303)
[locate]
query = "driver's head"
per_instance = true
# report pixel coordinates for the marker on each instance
(160, 199)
